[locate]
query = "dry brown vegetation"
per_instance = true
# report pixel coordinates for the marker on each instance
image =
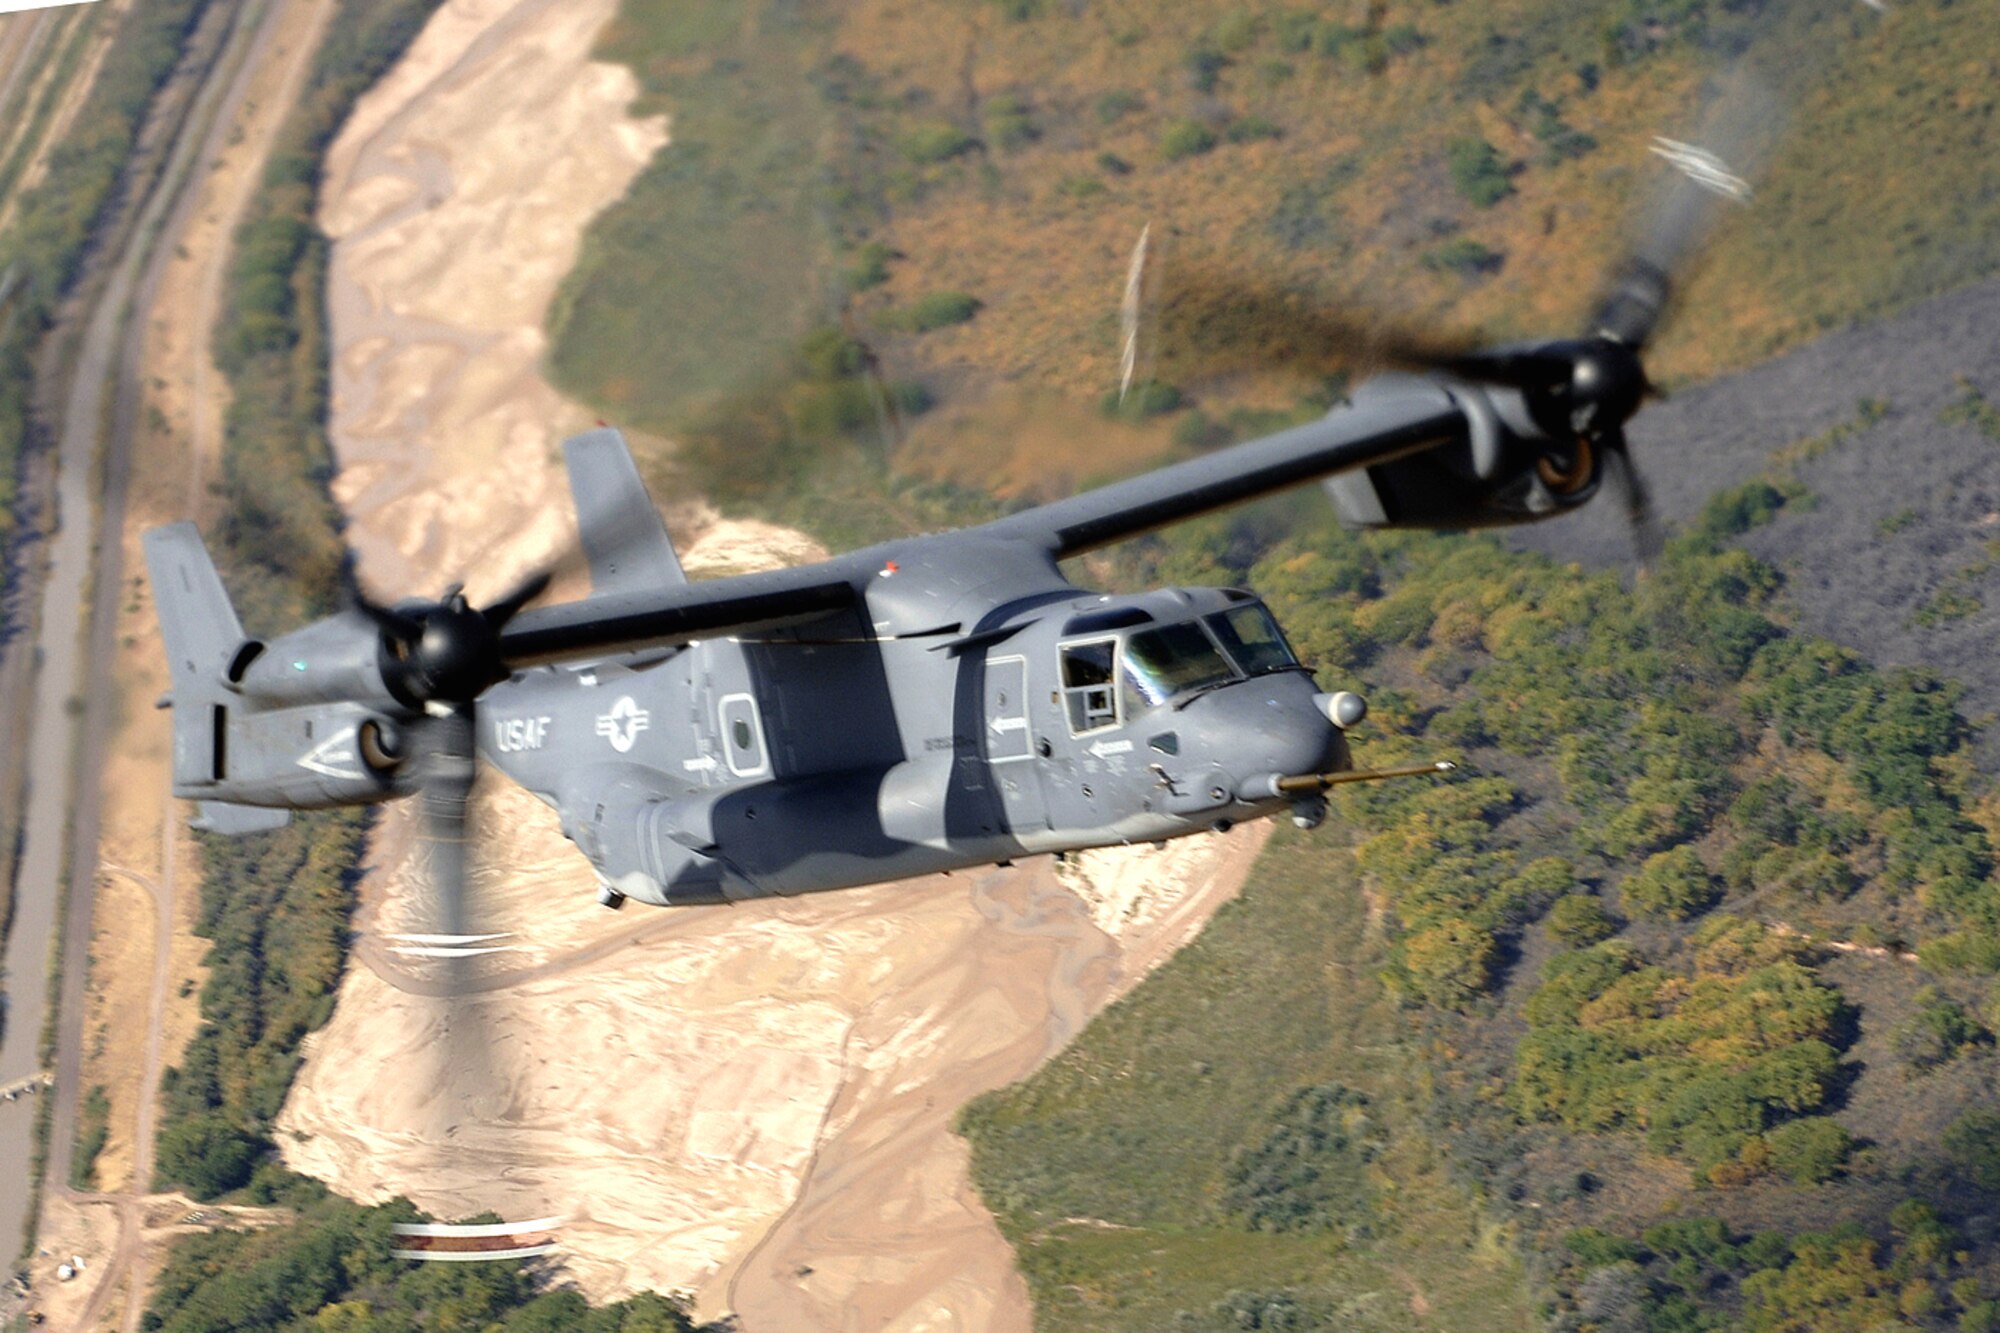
(1013, 152)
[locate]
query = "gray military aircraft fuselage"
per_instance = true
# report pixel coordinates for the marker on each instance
(886, 742)
(932, 703)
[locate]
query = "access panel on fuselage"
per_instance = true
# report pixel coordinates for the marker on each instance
(1011, 757)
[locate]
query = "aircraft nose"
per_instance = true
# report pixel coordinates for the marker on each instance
(1268, 727)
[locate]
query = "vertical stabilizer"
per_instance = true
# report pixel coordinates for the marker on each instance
(203, 638)
(623, 536)
(196, 619)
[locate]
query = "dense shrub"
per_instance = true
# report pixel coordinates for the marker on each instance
(207, 1153)
(1464, 256)
(1937, 1032)
(1811, 1150)
(935, 310)
(1186, 138)
(1705, 1061)
(1972, 1146)
(1671, 886)
(1009, 122)
(1116, 104)
(334, 1270)
(1580, 919)
(936, 142)
(1310, 1171)
(1147, 398)
(1250, 129)
(1477, 172)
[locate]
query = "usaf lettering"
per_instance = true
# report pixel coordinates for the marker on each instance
(511, 734)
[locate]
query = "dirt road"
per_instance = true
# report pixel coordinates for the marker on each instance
(69, 718)
(248, 51)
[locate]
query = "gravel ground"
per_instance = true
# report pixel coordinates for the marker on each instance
(1850, 577)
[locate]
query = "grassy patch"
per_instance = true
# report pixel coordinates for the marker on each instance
(1974, 409)
(1118, 1170)
(933, 310)
(718, 259)
(93, 1128)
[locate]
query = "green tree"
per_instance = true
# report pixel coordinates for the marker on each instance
(1811, 1150)
(208, 1154)
(1580, 919)
(1671, 886)
(1449, 964)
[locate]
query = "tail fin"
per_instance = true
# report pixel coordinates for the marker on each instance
(203, 637)
(196, 619)
(623, 536)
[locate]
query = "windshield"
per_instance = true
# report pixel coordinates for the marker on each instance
(1253, 639)
(1163, 662)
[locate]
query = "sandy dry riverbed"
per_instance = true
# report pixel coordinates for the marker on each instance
(752, 1104)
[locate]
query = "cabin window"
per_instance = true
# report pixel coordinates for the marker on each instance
(1161, 663)
(1253, 639)
(743, 736)
(1089, 684)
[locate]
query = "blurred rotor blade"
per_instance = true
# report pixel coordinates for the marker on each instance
(1129, 311)
(456, 937)
(527, 590)
(881, 394)
(1216, 318)
(1648, 538)
(1707, 176)
(391, 621)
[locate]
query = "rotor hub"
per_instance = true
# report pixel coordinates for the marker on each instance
(1606, 384)
(456, 653)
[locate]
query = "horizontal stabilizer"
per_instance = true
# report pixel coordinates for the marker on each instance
(234, 820)
(626, 542)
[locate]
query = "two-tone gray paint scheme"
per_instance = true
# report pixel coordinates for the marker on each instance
(905, 709)
(696, 774)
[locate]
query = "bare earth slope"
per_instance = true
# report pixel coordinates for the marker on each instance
(752, 1104)
(1902, 508)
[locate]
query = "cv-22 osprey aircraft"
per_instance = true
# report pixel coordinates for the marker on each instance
(926, 704)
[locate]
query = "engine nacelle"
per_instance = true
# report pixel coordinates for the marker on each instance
(304, 758)
(332, 660)
(1508, 470)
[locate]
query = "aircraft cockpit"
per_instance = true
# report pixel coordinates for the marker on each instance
(1123, 660)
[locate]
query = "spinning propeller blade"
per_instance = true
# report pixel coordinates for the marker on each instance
(1219, 319)
(437, 658)
(466, 1082)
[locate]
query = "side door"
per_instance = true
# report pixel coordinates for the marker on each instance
(1008, 742)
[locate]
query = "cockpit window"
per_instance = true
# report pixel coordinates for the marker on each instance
(1253, 639)
(1161, 663)
(1087, 684)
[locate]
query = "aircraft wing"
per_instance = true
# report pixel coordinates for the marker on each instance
(1393, 416)
(676, 613)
